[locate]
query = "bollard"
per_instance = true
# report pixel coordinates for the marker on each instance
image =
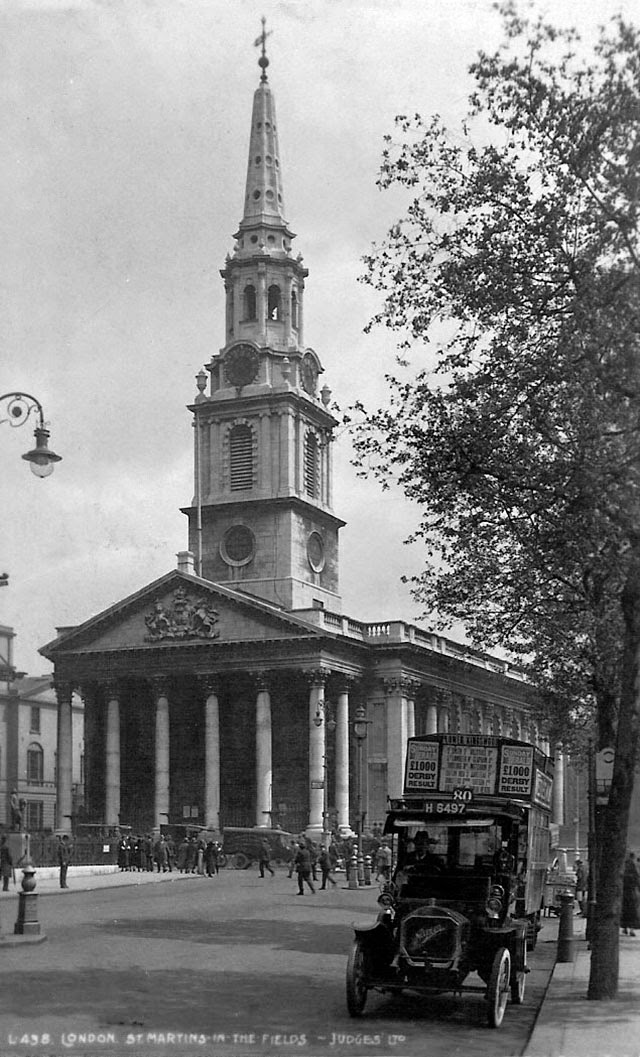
(367, 869)
(352, 867)
(360, 869)
(27, 921)
(566, 942)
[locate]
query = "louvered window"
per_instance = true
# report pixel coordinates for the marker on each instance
(311, 465)
(273, 303)
(249, 302)
(241, 458)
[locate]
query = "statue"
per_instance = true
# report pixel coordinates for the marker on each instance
(16, 812)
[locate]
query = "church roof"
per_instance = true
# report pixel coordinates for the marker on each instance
(179, 607)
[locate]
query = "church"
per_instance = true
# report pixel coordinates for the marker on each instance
(235, 690)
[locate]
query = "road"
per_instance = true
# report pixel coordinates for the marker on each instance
(233, 966)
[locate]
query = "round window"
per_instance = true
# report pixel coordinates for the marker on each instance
(238, 545)
(315, 552)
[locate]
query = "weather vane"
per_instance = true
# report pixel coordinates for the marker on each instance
(261, 41)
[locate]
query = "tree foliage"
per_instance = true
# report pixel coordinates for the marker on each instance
(516, 265)
(515, 270)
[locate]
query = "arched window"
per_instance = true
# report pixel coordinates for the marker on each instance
(35, 762)
(294, 309)
(249, 302)
(274, 305)
(311, 467)
(240, 458)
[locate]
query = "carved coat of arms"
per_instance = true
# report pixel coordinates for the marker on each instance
(186, 618)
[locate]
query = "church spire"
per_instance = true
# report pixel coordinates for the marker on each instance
(264, 201)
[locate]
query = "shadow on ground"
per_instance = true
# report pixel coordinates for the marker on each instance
(308, 938)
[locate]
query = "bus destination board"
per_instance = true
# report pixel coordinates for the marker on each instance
(516, 770)
(422, 766)
(480, 763)
(470, 767)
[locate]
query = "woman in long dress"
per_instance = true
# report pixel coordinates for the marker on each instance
(630, 917)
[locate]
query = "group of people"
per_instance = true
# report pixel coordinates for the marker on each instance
(307, 859)
(148, 853)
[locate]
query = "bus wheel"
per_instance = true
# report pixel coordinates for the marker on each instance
(498, 987)
(519, 977)
(240, 861)
(356, 986)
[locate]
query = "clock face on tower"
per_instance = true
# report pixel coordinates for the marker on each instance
(309, 374)
(241, 364)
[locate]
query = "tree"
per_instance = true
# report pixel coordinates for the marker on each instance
(516, 270)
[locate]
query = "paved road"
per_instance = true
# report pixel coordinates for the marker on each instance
(232, 967)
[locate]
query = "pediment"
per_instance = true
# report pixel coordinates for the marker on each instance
(178, 609)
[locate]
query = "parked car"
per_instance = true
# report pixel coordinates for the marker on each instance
(241, 845)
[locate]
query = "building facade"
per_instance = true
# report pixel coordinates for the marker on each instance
(28, 751)
(225, 692)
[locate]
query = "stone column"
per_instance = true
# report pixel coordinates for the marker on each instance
(262, 304)
(161, 798)
(264, 772)
(487, 720)
(316, 753)
(445, 705)
(396, 707)
(342, 756)
(112, 770)
(210, 688)
(432, 718)
(64, 798)
(557, 806)
(412, 687)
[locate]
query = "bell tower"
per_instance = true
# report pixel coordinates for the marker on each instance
(261, 519)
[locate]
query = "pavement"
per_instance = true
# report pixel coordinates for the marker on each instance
(568, 1024)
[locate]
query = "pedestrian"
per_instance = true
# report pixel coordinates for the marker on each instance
(65, 854)
(303, 868)
(191, 864)
(6, 863)
(292, 861)
(160, 850)
(264, 858)
(183, 855)
(630, 917)
(324, 861)
(383, 862)
(313, 852)
(209, 858)
(581, 886)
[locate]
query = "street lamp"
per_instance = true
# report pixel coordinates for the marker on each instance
(360, 724)
(19, 408)
(324, 714)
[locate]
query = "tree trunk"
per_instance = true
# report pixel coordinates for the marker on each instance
(612, 835)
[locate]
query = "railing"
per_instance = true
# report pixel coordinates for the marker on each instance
(399, 631)
(87, 851)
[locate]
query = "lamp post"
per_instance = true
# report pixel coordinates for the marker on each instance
(360, 724)
(19, 408)
(325, 716)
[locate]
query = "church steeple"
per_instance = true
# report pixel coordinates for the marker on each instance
(262, 516)
(263, 200)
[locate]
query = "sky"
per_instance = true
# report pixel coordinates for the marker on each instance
(124, 134)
